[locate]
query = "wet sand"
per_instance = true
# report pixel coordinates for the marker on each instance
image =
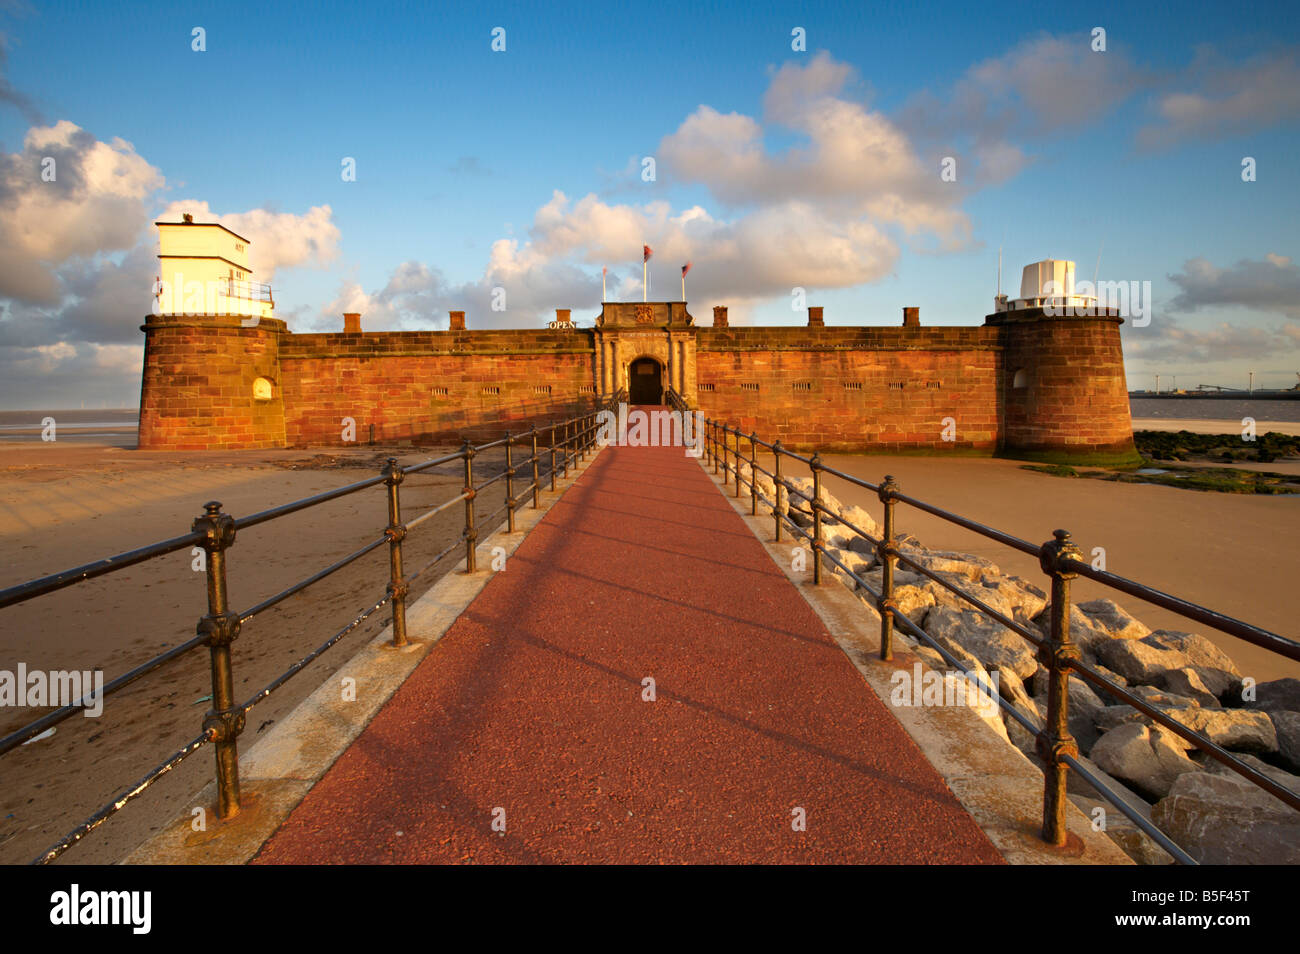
(62, 505)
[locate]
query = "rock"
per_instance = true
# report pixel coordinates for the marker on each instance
(1131, 839)
(1202, 652)
(1287, 726)
(990, 642)
(1187, 682)
(1139, 661)
(862, 520)
(1224, 820)
(1278, 694)
(863, 546)
(1285, 779)
(1082, 632)
(1084, 706)
(1020, 594)
(1012, 689)
(1238, 729)
(931, 658)
(913, 602)
(1149, 758)
(1113, 619)
(949, 561)
(1165, 700)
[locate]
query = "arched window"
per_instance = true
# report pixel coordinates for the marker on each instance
(1021, 379)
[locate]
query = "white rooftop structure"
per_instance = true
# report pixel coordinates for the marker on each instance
(1049, 283)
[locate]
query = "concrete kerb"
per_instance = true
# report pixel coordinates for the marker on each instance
(278, 770)
(1000, 788)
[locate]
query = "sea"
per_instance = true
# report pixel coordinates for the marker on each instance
(117, 427)
(113, 426)
(1215, 409)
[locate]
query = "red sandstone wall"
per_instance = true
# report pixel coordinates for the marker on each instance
(1075, 396)
(390, 381)
(197, 386)
(907, 381)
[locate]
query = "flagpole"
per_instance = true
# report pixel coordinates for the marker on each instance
(683, 286)
(645, 274)
(603, 296)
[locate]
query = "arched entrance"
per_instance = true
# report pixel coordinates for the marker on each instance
(645, 382)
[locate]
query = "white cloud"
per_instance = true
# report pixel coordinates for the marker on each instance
(276, 239)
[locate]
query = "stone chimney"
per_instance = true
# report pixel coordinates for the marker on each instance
(562, 316)
(187, 218)
(457, 320)
(911, 317)
(815, 317)
(720, 316)
(352, 322)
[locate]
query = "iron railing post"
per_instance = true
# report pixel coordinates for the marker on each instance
(471, 535)
(510, 484)
(815, 465)
(564, 454)
(396, 533)
(552, 445)
(753, 473)
(738, 435)
(713, 434)
(778, 487)
(224, 721)
(887, 554)
(1057, 653)
(537, 483)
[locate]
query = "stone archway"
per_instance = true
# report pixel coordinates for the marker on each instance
(645, 382)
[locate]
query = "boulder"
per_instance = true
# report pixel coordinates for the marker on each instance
(1128, 836)
(1278, 694)
(1082, 632)
(1139, 661)
(1225, 820)
(1202, 652)
(1150, 758)
(1287, 726)
(1285, 779)
(860, 519)
(931, 658)
(1238, 729)
(913, 602)
(948, 561)
(1188, 682)
(1113, 619)
(1012, 689)
(988, 641)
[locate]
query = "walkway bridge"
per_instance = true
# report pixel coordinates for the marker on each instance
(628, 670)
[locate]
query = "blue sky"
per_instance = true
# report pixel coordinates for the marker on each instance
(1134, 152)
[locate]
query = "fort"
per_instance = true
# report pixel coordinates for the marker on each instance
(1027, 383)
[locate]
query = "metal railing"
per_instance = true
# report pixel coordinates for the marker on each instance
(249, 291)
(1058, 558)
(569, 441)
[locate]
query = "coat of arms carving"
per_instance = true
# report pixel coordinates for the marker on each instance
(645, 315)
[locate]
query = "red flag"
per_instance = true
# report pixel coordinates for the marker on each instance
(686, 268)
(646, 252)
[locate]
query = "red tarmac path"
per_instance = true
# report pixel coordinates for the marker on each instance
(532, 703)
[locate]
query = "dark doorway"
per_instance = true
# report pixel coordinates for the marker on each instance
(645, 382)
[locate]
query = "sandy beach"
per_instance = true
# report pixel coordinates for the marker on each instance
(62, 505)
